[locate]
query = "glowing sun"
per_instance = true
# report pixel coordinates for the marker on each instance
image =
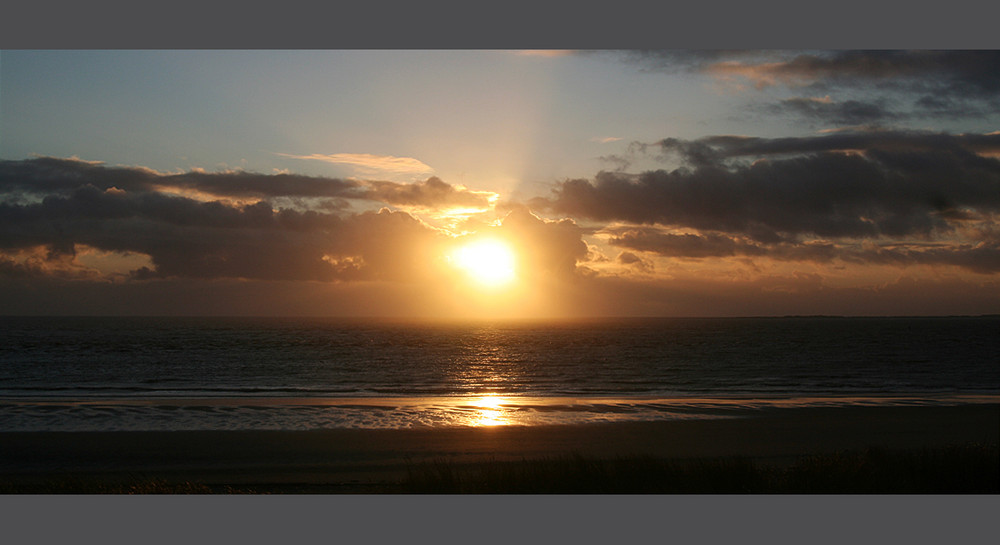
(489, 262)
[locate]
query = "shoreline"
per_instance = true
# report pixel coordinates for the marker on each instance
(356, 460)
(64, 414)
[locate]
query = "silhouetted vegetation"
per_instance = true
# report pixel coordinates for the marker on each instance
(964, 469)
(138, 485)
(971, 469)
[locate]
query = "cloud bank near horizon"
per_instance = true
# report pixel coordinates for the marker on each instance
(890, 198)
(881, 198)
(226, 225)
(217, 256)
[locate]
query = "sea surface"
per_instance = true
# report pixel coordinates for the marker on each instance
(80, 373)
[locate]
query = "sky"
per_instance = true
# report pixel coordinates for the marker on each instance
(598, 183)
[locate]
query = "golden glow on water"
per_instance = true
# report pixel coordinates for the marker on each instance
(489, 402)
(489, 411)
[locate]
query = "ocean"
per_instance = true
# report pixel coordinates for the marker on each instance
(111, 374)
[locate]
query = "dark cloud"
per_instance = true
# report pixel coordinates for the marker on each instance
(546, 246)
(714, 148)
(919, 83)
(49, 176)
(936, 84)
(50, 207)
(961, 73)
(683, 245)
(755, 196)
(119, 210)
(431, 193)
(187, 238)
(982, 257)
(248, 184)
(631, 260)
(850, 112)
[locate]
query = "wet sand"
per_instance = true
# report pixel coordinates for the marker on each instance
(344, 460)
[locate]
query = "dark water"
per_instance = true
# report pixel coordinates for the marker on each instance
(108, 373)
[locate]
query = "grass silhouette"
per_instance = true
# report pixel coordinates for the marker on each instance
(958, 469)
(965, 469)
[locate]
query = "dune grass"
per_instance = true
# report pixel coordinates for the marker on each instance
(135, 485)
(966, 469)
(959, 469)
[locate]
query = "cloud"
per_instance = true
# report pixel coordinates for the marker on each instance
(50, 207)
(182, 228)
(431, 193)
(714, 149)
(919, 83)
(33, 178)
(948, 84)
(190, 239)
(685, 60)
(370, 163)
(51, 263)
(545, 246)
(965, 73)
(980, 257)
(682, 245)
(824, 110)
(51, 175)
(194, 256)
(961, 71)
(631, 260)
(787, 198)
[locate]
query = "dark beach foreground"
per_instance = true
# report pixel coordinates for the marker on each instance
(428, 459)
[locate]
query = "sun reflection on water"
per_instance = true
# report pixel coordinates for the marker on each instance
(489, 411)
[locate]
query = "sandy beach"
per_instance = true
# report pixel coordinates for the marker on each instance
(346, 460)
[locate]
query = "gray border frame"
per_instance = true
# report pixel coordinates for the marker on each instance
(520, 24)
(394, 24)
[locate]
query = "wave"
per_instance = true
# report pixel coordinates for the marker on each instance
(298, 413)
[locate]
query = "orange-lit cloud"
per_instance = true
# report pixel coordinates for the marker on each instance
(432, 193)
(856, 67)
(369, 163)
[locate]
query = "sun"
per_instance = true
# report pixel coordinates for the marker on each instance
(488, 261)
